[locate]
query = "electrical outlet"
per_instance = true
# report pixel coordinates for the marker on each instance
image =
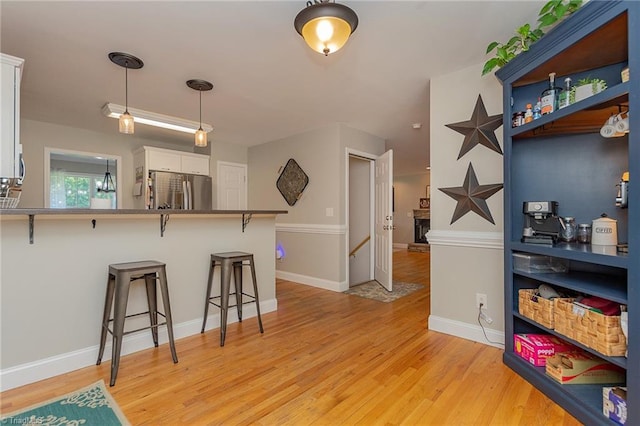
(481, 298)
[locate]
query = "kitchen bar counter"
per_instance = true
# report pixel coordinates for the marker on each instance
(53, 289)
(94, 212)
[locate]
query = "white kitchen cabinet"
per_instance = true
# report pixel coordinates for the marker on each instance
(195, 164)
(166, 161)
(10, 148)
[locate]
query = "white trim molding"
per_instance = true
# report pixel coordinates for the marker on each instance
(31, 372)
(466, 331)
(490, 240)
(313, 281)
(311, 228)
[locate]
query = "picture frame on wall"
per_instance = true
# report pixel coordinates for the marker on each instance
(425, 203)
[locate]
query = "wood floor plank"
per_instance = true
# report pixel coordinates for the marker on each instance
(325, 358)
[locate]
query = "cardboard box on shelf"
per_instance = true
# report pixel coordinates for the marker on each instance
(581, 367)
(614, 403)
(536, 348)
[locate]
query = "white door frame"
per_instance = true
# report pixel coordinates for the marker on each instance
(372, 158)
(228, 163)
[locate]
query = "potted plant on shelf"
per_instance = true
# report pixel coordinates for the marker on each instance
(550, 15)
(586, 87)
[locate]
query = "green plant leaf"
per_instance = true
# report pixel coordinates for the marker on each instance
(513, 41)
(560, 10)
(502, 53)
(547, 7)
(546, 20)
(492, 46)
(489, 65)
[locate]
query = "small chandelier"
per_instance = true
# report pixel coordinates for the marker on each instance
(107, 184)
(200, 85)
(125, 122)
(326, 25)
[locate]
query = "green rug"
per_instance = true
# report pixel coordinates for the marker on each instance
(89, 406)
(373, 290)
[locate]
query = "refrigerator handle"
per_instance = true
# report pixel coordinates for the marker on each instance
(189, 196)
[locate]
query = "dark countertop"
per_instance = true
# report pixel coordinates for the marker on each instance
(95, 212)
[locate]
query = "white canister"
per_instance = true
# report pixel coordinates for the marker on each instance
(604, 231)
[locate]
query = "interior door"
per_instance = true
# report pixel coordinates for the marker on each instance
(383, 270)
(232, 186)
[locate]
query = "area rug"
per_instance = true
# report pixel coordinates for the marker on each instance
(89, 406)
(373, 290)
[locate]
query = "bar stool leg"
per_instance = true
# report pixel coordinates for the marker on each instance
(237, 281)
(208, 295)
(108, 302)
(255, 293)
(152, 302)
(164, 289)
(119, 313)
(225, 283)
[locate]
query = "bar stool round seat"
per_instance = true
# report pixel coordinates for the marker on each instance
(121, 275)
(229, 261)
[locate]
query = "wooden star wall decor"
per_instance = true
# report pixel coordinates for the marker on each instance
(472, 197)
(480, 129)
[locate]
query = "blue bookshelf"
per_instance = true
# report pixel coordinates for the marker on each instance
(562, 157)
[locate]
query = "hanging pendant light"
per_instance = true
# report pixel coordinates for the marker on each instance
(326, 25)
(200, 85)
(125, 122)
(107, 183)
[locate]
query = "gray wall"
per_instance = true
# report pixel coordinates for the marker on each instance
(466, 257)
(314, 239)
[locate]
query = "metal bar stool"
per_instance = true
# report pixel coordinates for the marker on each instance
(120, 277)
(227, 261)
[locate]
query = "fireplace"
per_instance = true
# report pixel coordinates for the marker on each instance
(422, 224)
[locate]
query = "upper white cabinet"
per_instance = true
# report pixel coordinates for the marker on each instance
(195, 164)
(10, 147)
(167, 160)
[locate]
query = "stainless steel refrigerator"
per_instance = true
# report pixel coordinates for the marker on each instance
(180, 191)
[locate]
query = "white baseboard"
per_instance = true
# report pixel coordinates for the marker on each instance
(312, 281)
(400, 245)
(49, 367)
(466, 331)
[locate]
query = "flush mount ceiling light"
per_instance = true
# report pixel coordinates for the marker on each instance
(127, 61)
(326, 25)
(200, 85)
(155, 119)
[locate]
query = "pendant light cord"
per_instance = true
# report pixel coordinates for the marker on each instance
(200, 108)
(126, 87)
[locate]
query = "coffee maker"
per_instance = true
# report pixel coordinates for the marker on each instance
(541, 222)
(623, 187)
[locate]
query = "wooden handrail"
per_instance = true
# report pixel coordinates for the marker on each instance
(359, 246)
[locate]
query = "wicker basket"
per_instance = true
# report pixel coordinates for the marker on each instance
(594, 330)
(535, 307)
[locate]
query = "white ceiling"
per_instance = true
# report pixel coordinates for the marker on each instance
(267, 83)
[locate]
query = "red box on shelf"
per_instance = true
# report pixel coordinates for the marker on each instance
(536, 348)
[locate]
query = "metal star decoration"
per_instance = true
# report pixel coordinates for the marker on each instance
(480, 129)
(472, 197)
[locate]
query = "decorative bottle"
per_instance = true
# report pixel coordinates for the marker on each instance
(528, 115)
(549, 97)
(536, 110)
(565, 98)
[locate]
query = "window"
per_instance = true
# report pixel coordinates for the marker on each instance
(72, 190)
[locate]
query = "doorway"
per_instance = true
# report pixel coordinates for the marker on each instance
(369, 215)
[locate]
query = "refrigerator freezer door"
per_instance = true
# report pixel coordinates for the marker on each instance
(200, 187)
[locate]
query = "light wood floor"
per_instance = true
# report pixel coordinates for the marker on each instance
(325, 359)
